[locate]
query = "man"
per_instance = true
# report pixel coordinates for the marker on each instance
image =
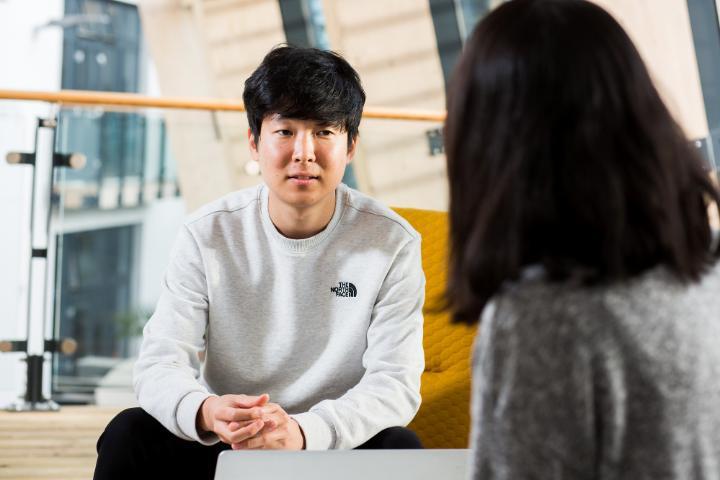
(304, 295)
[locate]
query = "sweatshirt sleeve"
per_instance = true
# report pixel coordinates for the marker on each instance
(388, 394)
(166, 373)
(533, 400)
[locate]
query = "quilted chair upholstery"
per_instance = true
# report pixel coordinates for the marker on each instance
(444, 417)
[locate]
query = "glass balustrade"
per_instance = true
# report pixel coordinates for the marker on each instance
(113, 221)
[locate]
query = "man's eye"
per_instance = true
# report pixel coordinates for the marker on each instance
(284, 133)
(324, 133)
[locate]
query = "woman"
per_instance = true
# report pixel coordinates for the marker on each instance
(581, 241)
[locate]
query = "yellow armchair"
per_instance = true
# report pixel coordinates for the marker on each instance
(444, 417)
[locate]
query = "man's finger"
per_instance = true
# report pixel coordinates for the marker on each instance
(231, 414)
(270, 424)
(245, 432)
(270, 441)
(272, 408)
(253, 443)
(222, 431)
(249, 401)
(241, 433)
(232, 426)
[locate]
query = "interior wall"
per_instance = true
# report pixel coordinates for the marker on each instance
(392, 45)
(662, 33)
(208, 48)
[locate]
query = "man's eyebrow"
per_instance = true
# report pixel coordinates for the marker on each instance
(318, 124)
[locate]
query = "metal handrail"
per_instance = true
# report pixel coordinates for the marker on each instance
(115, 99)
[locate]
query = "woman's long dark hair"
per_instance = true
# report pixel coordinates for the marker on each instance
(561, 153)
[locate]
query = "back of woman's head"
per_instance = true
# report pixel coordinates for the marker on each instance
(561, 153)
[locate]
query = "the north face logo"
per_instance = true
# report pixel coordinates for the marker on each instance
(344, 289)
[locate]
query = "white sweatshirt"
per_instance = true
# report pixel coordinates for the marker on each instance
(330, 326)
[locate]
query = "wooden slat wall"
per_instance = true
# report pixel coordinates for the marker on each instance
(51, 445)
(662, 33)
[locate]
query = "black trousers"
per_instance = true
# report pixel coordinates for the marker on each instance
(135, 446)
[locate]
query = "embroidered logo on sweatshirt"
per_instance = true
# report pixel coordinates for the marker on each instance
(344, 289)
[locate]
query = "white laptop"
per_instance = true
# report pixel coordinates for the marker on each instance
(343, 465)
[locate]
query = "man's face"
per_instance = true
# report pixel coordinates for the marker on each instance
(302, 162)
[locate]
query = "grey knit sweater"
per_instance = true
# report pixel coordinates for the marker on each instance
(618, 382)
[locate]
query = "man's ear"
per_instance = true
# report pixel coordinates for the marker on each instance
(352, 149)
(253, 145)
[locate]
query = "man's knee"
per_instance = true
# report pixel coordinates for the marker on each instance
(401, 437)
(126, 428)
(393, 438)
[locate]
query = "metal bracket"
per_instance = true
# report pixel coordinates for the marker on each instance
(7, 346)
(435, 141)
(76, 161)
(66, 346)
(20, 158)
(704, 146)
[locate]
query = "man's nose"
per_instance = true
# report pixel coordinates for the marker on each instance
(304, 147)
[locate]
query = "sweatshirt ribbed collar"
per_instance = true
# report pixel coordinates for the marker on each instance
(302, 245)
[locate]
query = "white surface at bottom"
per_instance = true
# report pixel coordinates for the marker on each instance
(343, 465)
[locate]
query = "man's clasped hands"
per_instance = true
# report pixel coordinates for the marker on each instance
(250, 423)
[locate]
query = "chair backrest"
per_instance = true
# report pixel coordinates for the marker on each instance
(444, 417)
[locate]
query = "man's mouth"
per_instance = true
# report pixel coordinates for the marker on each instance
(303, 177)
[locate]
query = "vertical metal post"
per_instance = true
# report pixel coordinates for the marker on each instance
(43, 160)
(40, 210)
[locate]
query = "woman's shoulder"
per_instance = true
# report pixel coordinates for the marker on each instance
(536, 305)
(535, 292)
(534, 286)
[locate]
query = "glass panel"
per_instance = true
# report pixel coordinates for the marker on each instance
(114, 222)
(17, 134)
(95, 307)
(127, 159)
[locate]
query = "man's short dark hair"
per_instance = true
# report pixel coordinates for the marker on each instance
(306, 84)
(561, 153)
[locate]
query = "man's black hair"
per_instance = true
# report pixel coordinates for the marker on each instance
(305, 84)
